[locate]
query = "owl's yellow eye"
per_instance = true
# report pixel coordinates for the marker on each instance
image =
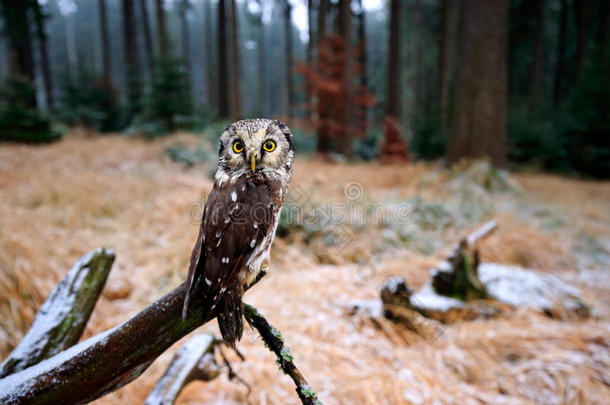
(269, 146)
(238, 147)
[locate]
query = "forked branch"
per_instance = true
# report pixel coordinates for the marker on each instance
(112, 359)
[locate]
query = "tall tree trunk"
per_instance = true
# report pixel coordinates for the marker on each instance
(309, 60)
(223, 88)
(561, 51)
(363, 60)
(186, 42)
(44, 54)
(394, 68)
(107, 73)
(416, 102)
(443, 61)
(147, 38)
(536, 85)
(209, 60)
(163, 36)
(262, 70)
(70, 44)
(289, 57)
(393, 146)
(581, 8)
(323, 144)
(16, 26)
(21, 46)
(235, 68)
(131, 56)
(479, 126)
(602, 32)
(345, 23)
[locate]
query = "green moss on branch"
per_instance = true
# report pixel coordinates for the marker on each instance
(274, 342)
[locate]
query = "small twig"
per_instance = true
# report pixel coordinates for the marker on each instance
(232, 373)
(481, 232)
(274, 341)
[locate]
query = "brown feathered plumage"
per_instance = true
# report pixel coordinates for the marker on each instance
(239, 218)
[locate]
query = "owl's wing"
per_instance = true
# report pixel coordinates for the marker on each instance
(236, 220)
(197, 255)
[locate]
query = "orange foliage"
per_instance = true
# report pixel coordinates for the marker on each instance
(328, 84)
(393, 147)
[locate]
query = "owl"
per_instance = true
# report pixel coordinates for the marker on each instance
(240, 218)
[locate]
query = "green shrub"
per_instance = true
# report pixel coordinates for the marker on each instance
(304, 141)
(587, 133)
(572, 137)
(190, 156)
(169, 103)
(19, 120)
(367, 148)
(536, 140)
(429, 139)
(90, 101)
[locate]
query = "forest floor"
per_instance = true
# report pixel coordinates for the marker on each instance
(61, 200)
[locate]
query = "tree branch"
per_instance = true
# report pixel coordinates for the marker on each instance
(109, 360)
(62, 318)
(193, 361)
(274, 341)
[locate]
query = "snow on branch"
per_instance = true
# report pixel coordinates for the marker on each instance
(62, 318)
(112, 359)
(193, 361)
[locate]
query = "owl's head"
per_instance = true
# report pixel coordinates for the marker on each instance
(256, 147)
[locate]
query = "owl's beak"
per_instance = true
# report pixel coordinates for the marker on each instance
(252, 163)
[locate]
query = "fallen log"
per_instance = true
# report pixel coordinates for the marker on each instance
(462, 289)
(193, 361)
(453, 281)
(63, 316)
(396, 306)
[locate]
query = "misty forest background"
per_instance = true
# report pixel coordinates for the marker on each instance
(517, 82)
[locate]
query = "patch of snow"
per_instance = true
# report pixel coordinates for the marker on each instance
(15, 387)
(413, 397)
(394, 283)
(54, 311)
(372, 308)
(427, 298)
(523, 287)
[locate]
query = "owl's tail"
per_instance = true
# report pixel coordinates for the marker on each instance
(230, 316)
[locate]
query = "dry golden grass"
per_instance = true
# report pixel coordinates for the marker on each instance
(59, 201)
